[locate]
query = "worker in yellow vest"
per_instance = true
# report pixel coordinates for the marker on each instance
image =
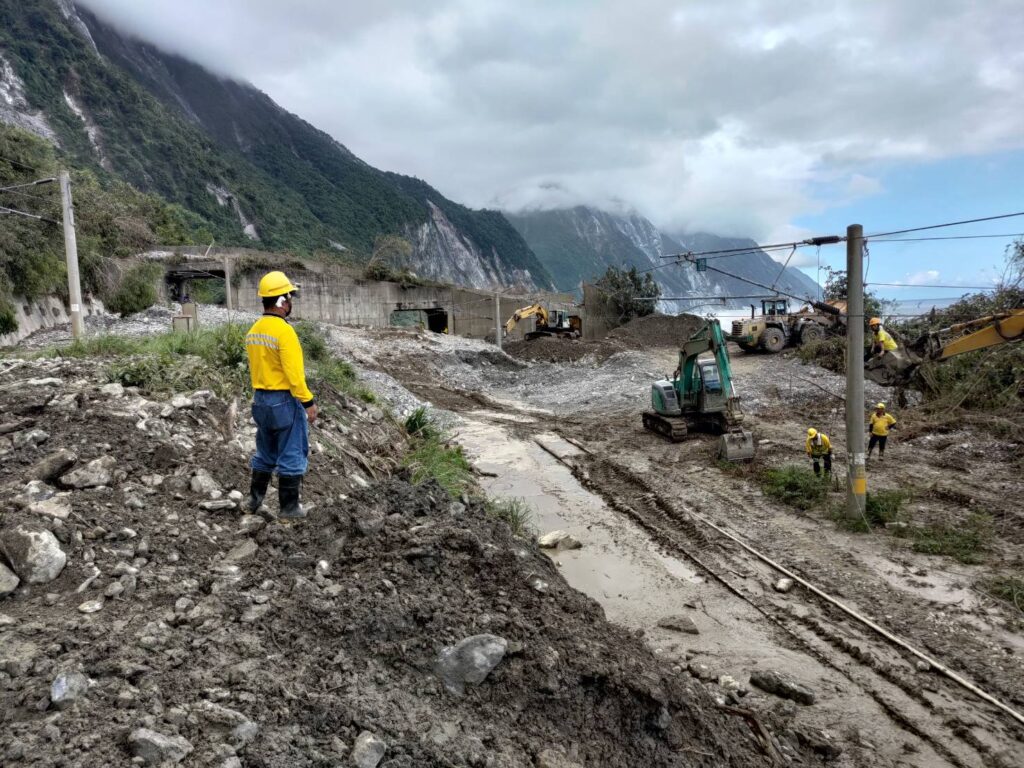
(881, 340)
(881, 422)
(819, 449)
(283, 407)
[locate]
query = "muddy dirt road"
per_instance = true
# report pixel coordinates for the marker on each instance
(566, 436)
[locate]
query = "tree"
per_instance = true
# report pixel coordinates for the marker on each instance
(632, 295)
(836, 289)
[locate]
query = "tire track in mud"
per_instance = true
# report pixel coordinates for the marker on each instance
(822, 637)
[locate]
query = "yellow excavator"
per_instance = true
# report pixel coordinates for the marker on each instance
(900, 368)
(554, 323)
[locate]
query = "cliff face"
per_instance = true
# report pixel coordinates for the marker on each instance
(229, 154)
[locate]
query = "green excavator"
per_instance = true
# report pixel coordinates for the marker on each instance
(700, 397)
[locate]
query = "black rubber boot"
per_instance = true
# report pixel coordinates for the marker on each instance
(258, 489)
(288, 487)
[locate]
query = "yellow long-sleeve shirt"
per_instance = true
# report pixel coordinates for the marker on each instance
(818, 448)
(888, 342)
(880, 425)
(275, 358)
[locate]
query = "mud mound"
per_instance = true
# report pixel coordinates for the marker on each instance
(178, 626)
(557, 350)
(656, 331)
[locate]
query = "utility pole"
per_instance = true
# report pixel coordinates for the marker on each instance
(497, 319)
(856, 484)
(71, 252)
(227, 284)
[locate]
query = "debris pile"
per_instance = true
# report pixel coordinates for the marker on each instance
(148, 618)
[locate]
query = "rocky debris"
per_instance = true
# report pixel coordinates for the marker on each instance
(91, 606)
(470, 661)
(114, 389)
(67, 688)
(34, 554)
(8, 580)
(558, 540)
(244, 550)
(96, 473)
(155, 748)
(202, 482)
(52, 466)
(30, 437)
(555, 758)
(58, 506)
(782, 686)
(783, 585)
(368, 750)
(679, 623)
(16, 656)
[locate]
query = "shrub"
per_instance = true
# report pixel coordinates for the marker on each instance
(435, 459)
(314, 343)
(965, 542)
(883, 507)
(421, 424)
(137, 290)
(1008, 588)
(516, 512)
(794, 485)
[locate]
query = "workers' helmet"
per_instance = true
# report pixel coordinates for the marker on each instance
(275, 284)
(874, 321)
(812, 432)
(880, 406)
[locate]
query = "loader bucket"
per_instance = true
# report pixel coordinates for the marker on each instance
(736, 446)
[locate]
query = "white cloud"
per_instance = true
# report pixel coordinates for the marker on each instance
(926, 277)
(735, 117)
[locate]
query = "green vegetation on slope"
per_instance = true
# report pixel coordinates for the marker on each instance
(113, 219)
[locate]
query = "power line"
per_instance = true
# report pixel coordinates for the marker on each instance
(965, 287)
(951, 237)
(16, 212)
(35, 183)
(947, 224)
(28, 168)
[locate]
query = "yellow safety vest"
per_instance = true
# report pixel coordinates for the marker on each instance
(814, 448)
(880, 424)
(888, 342)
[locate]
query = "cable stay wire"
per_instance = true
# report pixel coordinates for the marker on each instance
(947, 224)
(908, 285)
(16, 212)
(948, 237)
(35, 183)
(28, 168)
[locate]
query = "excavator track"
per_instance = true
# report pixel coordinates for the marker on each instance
(672, 428)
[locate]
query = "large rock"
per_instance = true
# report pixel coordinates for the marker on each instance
(679, 623)
(368, 750)
(202, 482)
(8, 580)
(58, 505)
(67, 688)
(470, 661)
(94, 474)
(34, 554)
(16, 657)
(155, 748)
(782, 686)
(50, 467)
(558, 540)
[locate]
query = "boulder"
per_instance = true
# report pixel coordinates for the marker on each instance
(8, 580)
(16, 657)
(782, 686)
(30, 437)
(244, 550)
(34, 554)
(94, 474)
(558, 540)
(470, 661)
(679, 623)
(203, 482)
(368, 750)
(114, 389)
(58, 506)
(67, 688)
(783, 585)
(155, 748)
(52, 466)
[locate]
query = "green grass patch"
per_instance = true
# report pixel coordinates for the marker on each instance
(1008, 588)
(794, 485)
(341, 376)
(421, 424)
(436, 459)
(516, 512)
(883, 507)
(313, 340)
(966, 542)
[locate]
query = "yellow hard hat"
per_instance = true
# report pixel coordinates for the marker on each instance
(881, 406)
(812, 432)
(874, 321)
(275, 284)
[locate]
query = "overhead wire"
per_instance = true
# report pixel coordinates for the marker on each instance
(28, 168)
(947, 224)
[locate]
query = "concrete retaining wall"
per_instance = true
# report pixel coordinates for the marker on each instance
(44, 312)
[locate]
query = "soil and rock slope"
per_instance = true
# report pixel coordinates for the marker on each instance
(146, 620)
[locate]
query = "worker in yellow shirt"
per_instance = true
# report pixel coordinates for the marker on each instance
(283, 407)
(881, 340)
(881, 422)
(820, 451)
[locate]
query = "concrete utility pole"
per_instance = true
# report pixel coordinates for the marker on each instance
(856, 484)
(71, 252)
(497, 319)
(227, 284)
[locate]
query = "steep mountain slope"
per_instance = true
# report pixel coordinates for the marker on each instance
(578, 244)
(227, 152)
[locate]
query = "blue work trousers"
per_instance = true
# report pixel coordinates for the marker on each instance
(282, 433)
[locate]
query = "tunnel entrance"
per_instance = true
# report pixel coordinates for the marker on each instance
(434, 319)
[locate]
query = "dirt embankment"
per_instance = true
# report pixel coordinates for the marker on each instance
(164, 624)
(650, 332)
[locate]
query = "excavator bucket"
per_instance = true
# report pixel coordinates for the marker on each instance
(736, 446)
(891, 369)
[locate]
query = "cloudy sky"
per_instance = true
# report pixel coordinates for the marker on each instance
(774, 119)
